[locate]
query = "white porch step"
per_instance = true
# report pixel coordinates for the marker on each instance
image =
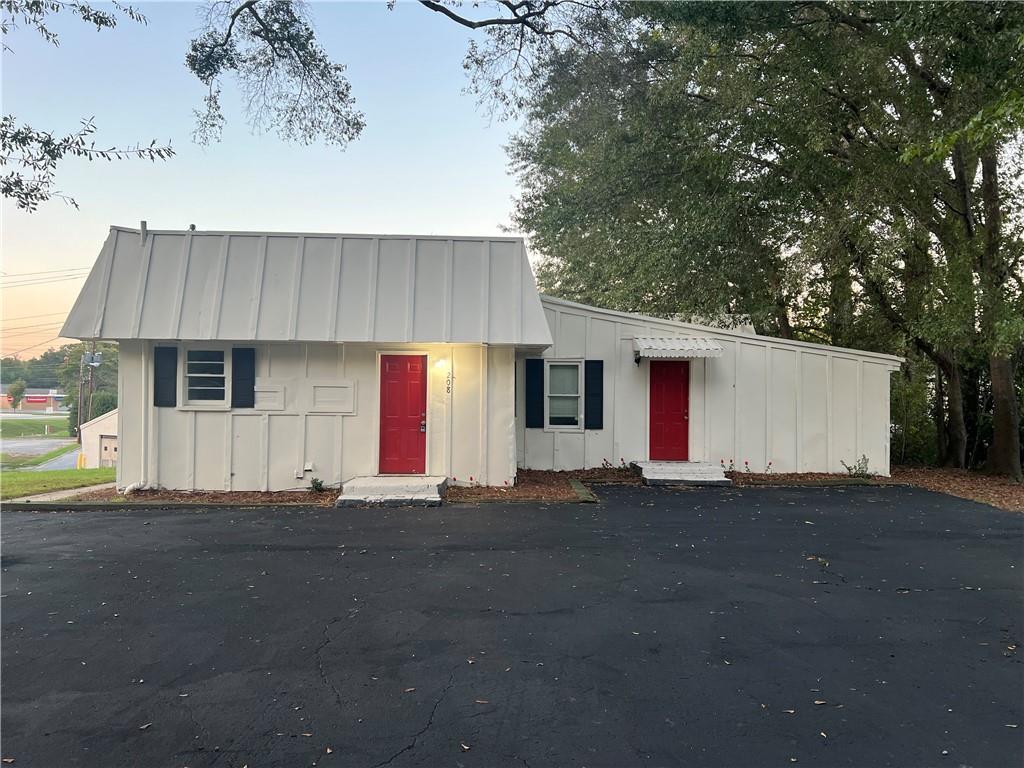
(681, 473)
(392, 491)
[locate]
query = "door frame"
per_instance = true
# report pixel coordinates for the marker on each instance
(376, 411)
(689, 410)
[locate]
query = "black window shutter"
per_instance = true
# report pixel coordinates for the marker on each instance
(534, 392)
(593, 394)
(165, 377)
(243, 377)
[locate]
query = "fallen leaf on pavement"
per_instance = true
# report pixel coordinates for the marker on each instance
(465, 747)
(409, 690)
(144, 727)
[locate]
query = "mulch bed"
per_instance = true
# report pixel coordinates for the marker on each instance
(989, 489)
(531, 485)
(255, 498)
(540, 485)
(543, 485)
(605, 476)
(744, 479)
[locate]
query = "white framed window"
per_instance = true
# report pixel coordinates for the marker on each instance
(563, 395)
(205, 377)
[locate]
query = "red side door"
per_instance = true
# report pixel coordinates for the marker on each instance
(670, 410)
(403, 414)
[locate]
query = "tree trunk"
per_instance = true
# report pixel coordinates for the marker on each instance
(956, 428)
(939, 414)
(1004, 453)
(840, 305)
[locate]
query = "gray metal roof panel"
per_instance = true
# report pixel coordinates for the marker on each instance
(267, 286)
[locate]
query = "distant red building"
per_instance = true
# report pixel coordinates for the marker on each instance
(36, 399)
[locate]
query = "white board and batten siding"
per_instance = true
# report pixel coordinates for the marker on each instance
(803, 407)
(317, 415)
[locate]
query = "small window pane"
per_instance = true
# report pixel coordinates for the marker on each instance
(205, 394)
(206, 355)
(205, 380)
(564, 411)
(564, 379)
(217, 368)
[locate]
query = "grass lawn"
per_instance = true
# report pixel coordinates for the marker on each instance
(17, 461)
(34, 427)
(15, 484)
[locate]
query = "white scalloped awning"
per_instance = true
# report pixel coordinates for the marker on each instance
(675, 347)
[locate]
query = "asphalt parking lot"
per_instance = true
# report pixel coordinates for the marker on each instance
(726, 627)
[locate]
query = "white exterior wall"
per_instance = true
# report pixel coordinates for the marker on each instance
(91, 432)
(297, 432)
(804, 407)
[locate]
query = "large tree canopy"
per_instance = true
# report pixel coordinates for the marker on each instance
(825, 168)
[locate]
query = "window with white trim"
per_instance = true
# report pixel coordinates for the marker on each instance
(563, 394)
(205, 380)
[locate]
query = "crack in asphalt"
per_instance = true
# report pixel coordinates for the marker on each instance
(320, 659)
(430, 721)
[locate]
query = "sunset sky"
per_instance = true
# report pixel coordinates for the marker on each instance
(430, 161)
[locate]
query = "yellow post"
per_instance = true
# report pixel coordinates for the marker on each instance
(81, 461)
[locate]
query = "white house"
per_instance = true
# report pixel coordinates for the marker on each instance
(99, 441)
(259, 361)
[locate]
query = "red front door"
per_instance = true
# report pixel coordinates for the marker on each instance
(403, 414)
(670, 410)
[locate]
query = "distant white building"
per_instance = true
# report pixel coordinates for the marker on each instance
(260, 360)
(99, 441)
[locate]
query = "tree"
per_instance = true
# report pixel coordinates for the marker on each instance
(269, 47)
(12, 369)
(30, 156)
(795, 161)
(16, 392)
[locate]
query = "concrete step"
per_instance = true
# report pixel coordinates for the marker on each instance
(392, 491)
(681, 473)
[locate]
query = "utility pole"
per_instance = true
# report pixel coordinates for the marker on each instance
(92, 359)
(93, 362)
(81, 382)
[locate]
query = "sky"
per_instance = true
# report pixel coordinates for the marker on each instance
(430, 160)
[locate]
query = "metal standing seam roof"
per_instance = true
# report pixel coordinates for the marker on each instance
(267, 286)
(676, 347)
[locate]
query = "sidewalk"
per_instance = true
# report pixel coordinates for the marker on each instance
(65, 494)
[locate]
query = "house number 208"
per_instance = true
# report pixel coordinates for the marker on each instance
(448, 383)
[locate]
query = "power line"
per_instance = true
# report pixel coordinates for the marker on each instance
(30, 317)
(45, 272)
(5, 328)
(26, 349)
(43, 281)
(45, 275)
(38, 332)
